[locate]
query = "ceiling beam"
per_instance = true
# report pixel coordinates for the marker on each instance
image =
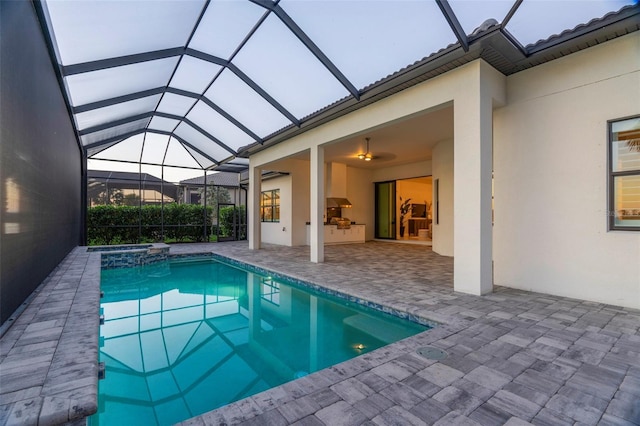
(120, 61)
(117, 100)
(113, 139)
(126, 120)
(452, 19)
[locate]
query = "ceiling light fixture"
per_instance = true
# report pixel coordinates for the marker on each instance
(367, 155)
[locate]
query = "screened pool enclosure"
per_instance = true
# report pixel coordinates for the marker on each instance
(120, 119)
(154, 87)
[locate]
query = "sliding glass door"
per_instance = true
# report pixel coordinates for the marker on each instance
(386, 210)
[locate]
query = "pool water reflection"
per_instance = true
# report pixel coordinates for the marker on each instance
(181, 339)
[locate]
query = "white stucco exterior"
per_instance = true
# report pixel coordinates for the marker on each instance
(443, 173)
(550, 161)
(294, 205)
(543, 133)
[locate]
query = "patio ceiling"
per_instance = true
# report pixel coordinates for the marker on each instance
(201, 82)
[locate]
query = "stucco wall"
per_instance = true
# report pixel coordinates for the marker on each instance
(272, 232)
(301, 207)
(294, 204)
(360, 191)
(550, 163)
(443, 172)
(40, 171)
(405, 171)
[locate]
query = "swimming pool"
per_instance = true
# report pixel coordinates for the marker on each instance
(183, 338)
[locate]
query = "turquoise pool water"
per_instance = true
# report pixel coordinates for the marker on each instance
(180, 339)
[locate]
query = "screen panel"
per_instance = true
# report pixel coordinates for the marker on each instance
(115, 112)
(117, 81)
(538, 20)
(218, 126)
(472, 14)
(175, 104)
(279, 63)
(224, 25)
(80, 27)
(368, 40)
(113, 131)
(204, 161)
(194, 75)
(155, 146)
(127, 150)
(231, 94)
(164, 124)
(201, 142)
(178, 156)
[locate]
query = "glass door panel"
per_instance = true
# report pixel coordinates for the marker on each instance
(386, 210)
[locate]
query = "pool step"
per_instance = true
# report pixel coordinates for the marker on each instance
(379, 329)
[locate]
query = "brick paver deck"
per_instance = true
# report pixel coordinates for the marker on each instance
(515, 357)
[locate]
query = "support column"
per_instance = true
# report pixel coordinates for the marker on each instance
(473, 162)
(253, 206)
(317, 204)
(255, 307)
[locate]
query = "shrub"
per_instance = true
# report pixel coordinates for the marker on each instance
(112, 224)
(226, 222)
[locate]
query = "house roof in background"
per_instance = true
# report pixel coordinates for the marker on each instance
(125, 177)
(128, 180)
(227, 179)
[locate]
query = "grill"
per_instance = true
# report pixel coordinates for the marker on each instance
(341, 222)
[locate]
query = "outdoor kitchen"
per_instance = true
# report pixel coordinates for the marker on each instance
(338, 228)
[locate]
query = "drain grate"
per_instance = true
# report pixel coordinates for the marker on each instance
(431, 352)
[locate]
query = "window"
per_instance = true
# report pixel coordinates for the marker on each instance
(270, 291)
(624, 174)
(270, 206)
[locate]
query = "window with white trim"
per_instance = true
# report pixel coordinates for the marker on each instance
(624, 174)
(270, 206)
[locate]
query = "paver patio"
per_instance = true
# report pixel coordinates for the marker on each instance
(515, 357)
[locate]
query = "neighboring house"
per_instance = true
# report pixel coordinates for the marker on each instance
(106, 187)
(191, 189)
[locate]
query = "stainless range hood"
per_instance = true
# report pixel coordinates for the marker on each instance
(338, 202)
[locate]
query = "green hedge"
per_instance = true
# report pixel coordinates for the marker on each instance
(119, 224)
(226, 222)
